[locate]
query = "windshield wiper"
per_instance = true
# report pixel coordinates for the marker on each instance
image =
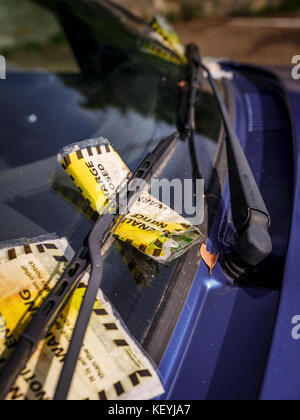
(87, 258)
(249, 213)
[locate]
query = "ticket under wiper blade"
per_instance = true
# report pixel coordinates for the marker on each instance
(88, 257)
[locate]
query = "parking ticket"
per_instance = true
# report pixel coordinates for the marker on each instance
(151, 227)
(111, 365)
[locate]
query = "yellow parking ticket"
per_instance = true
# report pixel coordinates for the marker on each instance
(151, 227)
(111, 364)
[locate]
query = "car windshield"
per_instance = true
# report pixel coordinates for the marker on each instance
(47, 104)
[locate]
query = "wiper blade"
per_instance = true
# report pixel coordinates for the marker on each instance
(87, 258)
(249, 212)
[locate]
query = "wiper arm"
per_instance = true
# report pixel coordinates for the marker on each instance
(88, 257)
(250, 215)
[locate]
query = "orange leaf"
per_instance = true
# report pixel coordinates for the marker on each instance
(209, 259)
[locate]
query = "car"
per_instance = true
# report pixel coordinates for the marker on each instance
(220, 324)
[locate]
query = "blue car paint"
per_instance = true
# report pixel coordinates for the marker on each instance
(217, 345)
(220, 346)
(282, 379)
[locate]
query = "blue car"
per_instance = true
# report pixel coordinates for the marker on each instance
(221, 322)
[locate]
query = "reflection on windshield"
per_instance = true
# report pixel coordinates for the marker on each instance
(31, 38)
(133, 100)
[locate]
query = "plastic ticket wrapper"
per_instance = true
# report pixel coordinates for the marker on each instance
(111, 365)
(151, 227)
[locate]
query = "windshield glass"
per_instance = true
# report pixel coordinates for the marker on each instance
(132, 102)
